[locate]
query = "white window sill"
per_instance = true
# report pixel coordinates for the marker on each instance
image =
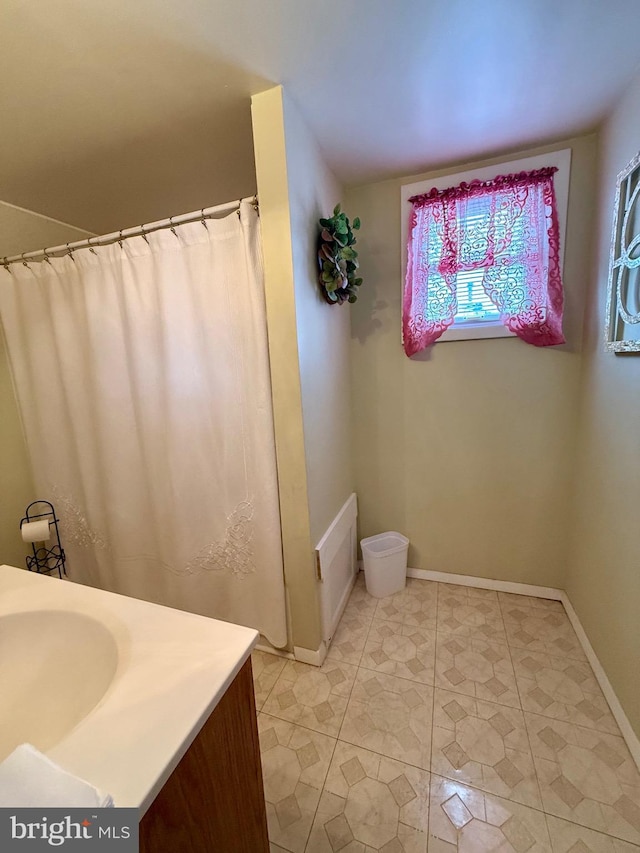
(475, 331)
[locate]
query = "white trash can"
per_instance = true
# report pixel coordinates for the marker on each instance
(385, 563)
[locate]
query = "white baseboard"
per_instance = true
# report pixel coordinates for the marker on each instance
(631, 739)
(488, 583)
(270, 650)
(314, 657)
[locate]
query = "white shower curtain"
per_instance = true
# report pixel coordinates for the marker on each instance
(142, 376)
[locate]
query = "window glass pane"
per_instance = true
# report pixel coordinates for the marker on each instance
(474, 306)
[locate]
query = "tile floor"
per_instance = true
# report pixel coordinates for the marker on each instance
(445, 719)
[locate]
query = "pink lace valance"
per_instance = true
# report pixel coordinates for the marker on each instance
(479, 187)
(507, 227)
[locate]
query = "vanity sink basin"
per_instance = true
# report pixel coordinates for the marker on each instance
(55, 667)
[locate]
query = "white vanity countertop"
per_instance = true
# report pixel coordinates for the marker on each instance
(173, 669)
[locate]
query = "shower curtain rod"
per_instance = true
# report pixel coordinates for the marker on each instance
(136, 231)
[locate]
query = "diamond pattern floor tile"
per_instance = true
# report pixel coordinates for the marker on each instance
(391, 716)
(294, 766)
(403, 650)
(500, 779)
(360, 603)
(466, 615)
(586, 776)
(315, 697)
(539, 630)
(477, 668)
(562, 688)
(371, 802)
(415, 605)
(489, 595)
(471, 821)
(348, 642)
(570, 838)
(484, 745)
(266, 669)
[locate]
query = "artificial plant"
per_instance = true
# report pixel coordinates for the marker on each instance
(337, 259)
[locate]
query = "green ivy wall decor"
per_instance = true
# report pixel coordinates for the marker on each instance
(337, 259)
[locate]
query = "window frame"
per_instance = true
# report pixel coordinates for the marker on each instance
(561, 159)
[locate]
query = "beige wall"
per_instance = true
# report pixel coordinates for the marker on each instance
(323, 332)
(20, 231)
(309, 349)
(468, 448)
(603, 579)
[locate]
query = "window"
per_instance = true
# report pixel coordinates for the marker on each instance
(474, 306)
(472, 248)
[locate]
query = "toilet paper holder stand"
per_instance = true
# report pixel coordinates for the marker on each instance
(45, 560)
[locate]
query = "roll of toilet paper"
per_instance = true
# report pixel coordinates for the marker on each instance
(36, 531)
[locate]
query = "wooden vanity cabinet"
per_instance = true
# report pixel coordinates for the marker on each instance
(213, 802)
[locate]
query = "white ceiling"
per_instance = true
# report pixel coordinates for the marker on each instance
(116, 112)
